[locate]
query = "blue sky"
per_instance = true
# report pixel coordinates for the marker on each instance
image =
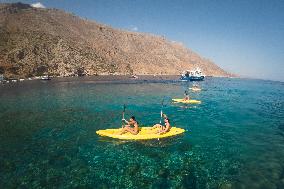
(245, 37)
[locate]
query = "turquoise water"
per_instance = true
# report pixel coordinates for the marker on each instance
(234, 139)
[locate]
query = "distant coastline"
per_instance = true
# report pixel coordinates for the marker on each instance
(110, 78)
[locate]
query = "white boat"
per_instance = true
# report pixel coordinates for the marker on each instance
(192, 75)
(134, 77)
(46, 77)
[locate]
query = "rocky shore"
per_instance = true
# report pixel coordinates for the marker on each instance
(103, 78)
(36, 42)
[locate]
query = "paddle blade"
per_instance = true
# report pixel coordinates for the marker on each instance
(161, 116)
(124, 107)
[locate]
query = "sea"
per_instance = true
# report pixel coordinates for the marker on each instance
(234, 139)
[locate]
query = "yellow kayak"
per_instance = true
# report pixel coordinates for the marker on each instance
(180, 100)
(195, 89)
(145, 133)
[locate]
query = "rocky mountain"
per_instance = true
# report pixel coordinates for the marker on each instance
(37, 41)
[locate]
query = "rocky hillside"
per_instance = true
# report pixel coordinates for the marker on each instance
(35, 41)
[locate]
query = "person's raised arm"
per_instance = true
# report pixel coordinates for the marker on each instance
(127, 122)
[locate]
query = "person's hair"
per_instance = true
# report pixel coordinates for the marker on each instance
(167, 119)
(132, 117)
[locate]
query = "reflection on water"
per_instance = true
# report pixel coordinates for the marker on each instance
(234, 139)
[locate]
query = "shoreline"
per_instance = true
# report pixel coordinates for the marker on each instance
(117, 79)
(104, 79)
(101, 79)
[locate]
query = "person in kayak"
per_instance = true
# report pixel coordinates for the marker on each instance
(186, 96)
(132, 126)
(163, 129)
(195, 87)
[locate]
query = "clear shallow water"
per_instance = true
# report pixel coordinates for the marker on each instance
(234, 139)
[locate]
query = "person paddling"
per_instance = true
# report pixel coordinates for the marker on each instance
(186, 96)
(163, 129)
(195, 87)
(132, 126)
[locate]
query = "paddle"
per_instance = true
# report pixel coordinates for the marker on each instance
(124, 107)
(162, 110)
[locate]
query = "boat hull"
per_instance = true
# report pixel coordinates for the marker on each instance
(145, 133)
(193, 78)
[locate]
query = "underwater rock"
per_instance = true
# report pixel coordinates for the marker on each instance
(225, 186)
(280, 184)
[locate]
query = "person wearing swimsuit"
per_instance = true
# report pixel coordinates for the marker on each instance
(163, 129)
(132, 126)
(186, 96)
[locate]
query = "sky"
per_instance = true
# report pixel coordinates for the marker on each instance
(245, 37)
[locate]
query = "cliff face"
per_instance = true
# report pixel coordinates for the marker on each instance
(36, 41)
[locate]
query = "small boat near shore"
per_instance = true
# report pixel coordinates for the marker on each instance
(45, 78)
(134, 77)
(193, 75)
